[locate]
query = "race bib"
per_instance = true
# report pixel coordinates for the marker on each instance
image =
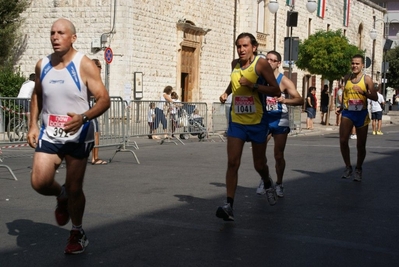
(244, 104)
(355, 104)
(271, 103)
(55, 126)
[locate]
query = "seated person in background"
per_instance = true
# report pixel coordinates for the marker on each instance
(26, 92)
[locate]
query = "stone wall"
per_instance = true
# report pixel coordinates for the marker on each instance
(145, 39)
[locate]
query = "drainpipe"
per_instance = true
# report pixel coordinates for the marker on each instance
(234, 27)
(103, 37)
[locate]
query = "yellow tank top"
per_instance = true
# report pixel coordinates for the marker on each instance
(351, 99)
(247, 106)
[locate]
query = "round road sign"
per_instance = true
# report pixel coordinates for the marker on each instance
(108, 55)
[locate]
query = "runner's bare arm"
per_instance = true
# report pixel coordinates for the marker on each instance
(265, 70)
(295, 99)
(371, 93)
(35, 108)
(92, 78)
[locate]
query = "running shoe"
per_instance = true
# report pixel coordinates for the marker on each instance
(353, 136)
(347, 173)
(61, 212)
(77, 242)
(374, 132)
(261, 188)
(280, 190)
(358, 175)
(379, 133)
(225, 212)
(271, 196)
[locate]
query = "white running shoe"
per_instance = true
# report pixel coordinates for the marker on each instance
(261, 188)
(271, 196)
(280, 190)
(358, 175)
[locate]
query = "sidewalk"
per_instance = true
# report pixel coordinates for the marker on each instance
(392, 118)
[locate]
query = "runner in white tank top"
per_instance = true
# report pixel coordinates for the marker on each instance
(63, 82)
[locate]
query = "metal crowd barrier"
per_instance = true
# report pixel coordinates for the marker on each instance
(168, 123)
(295, 119)
(220, 113)
(14, 114)
(113, 127)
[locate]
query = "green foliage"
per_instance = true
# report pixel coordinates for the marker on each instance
(10, 21)
(392, 57)
(10, 81)
(326, 53)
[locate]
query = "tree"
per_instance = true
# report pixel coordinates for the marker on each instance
(10, 21)
(10, 81)
(327, 53)
(393, 74)
(12, 45)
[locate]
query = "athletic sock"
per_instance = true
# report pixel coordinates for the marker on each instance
(230, 201)
(267, 183)
(78, 228)
(63, 193)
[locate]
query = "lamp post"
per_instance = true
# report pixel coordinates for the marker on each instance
(273, 6)
(387, 46)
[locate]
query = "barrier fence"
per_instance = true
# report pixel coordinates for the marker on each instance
(220, 113)
(14, 114)
(113, 127)
(123, 121)
(295, 119)
(160, 120)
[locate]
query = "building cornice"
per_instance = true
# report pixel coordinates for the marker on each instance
(373, 5)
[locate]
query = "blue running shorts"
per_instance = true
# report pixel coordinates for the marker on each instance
(359, 118)
(76, 150)
(256, 133)
(275, 129)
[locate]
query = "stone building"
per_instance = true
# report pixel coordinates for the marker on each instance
(187, 44)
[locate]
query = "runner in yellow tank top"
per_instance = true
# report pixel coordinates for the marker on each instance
(353, 99)
(248, 120)
(247, 107)
(358, 88)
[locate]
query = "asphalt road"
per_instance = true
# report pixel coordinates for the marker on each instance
(162, 212)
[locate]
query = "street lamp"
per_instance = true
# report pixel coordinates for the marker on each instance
(273, 6)
(387, 46)
(311, 6)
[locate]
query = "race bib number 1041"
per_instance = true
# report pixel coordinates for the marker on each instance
(244, 104)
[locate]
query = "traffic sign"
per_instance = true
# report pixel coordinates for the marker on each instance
(108, 55)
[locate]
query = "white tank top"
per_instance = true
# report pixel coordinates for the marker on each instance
(63, 91)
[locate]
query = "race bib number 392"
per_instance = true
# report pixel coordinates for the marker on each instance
(56, 124)
(244, 104)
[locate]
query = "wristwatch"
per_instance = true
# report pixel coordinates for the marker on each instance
(255, 87)
(84, 118)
